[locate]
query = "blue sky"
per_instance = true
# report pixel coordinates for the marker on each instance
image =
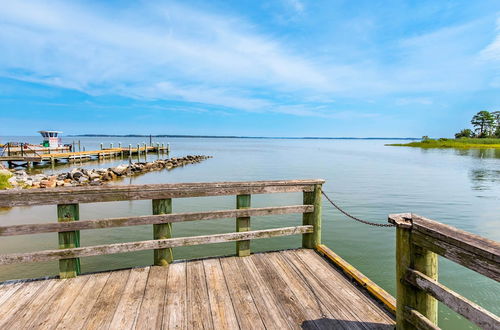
(266, 68)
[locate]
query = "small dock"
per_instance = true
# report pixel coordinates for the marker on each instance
(304, 288)
(54, 157)
(294, 289)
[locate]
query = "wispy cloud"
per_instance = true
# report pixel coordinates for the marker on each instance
(177, 52)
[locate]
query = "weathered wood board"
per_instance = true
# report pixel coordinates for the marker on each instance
(294, 289)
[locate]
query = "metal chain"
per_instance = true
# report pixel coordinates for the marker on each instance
(357, 219)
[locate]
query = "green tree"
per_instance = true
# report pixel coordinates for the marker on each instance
(496, 116)
(467, 133)
(483, 122)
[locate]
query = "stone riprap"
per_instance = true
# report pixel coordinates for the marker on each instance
(84, 177)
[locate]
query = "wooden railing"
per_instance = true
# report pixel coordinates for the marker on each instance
(418, 242)
(69, 225)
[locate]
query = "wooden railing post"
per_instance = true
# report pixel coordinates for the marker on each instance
(68, 267)
(408, 255)
(162, 257)
(243, 224)
(311, 241)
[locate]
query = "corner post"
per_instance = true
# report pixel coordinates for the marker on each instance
(243, 224)
(162, 257)
(68, 267)
(408, 255)
(312, 240)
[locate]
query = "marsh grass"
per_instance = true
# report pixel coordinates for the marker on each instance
(464, 143)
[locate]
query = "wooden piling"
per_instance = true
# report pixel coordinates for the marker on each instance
(408, 255)
(312, 240)
(79, 146)
(162, 257)
(68, 267)
(243, 224)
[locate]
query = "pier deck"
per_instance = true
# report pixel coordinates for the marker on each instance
(83, 155)
(275, 290)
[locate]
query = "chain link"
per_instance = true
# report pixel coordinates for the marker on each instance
(357, 219)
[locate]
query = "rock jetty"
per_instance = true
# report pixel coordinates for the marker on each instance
(95, 177)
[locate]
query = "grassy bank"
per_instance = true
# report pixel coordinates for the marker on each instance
(465, 143)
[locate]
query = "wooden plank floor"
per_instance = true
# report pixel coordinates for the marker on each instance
(276, 290)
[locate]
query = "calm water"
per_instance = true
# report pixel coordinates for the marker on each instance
(457, 187)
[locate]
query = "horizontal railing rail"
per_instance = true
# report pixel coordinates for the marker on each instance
(96, 250)
(68, 226)
(74, 195)
(418, 242)
(51, 227)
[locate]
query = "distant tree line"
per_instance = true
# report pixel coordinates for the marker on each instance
(486, 125)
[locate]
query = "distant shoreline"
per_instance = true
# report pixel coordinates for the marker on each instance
(243, 137)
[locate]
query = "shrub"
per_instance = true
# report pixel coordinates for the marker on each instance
(4, 179)
(465, 133)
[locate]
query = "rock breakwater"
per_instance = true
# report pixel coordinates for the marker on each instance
(95, 177)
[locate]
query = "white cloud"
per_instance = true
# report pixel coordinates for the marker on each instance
(174, 52)
(492, 51)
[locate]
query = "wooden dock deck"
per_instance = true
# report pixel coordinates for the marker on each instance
(276, 290)
(306, 288)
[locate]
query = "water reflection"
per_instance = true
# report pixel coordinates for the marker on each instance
(483, 178)
(478, 153)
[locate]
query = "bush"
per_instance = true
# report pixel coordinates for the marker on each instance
(465, 133)
(4, 179)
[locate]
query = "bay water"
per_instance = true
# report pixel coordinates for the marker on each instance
(368, 179)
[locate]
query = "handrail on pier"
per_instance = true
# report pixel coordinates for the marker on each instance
(418, 243)
(69, 225)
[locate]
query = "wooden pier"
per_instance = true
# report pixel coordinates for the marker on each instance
(310, 287)
(54, 157)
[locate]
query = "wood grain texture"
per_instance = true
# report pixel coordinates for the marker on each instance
(287, 302)
(314, 309)
(151, 310)
(346, 297)
(221, 307)
(8, 290)
(243, 224)
(244, 306)
(162, 257)
(28, 313)
(379, 293)
(464, 257)
(475, 244)
(198, 314)
(68, 213)
(104, 308)
(149, 219)
(79, 311)
(75, 195)
(175, 309)
(131, 298)
(313, 197)
(149, 245)
(263, 297)
(418, 320)
(55, 308)
(19, 300)
(471, 311)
